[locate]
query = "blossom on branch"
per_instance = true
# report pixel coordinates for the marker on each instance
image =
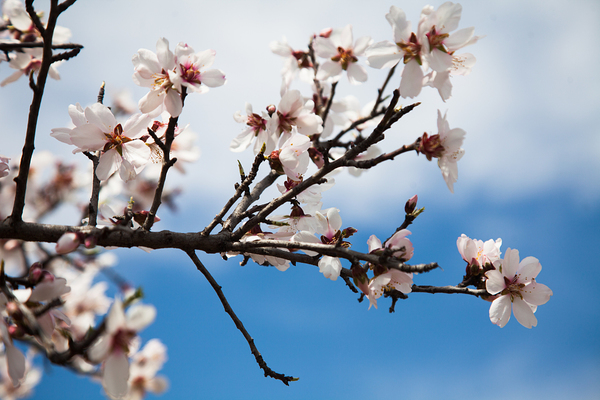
(478, 253)
(113, 347)
(432, 46)
(342, 55)
(515, 285)
(445, 146)
(120, 145)
(165, 73)
(260, 127)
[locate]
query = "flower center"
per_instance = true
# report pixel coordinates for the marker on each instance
(436, 40)
(411, 49)
(190, 73)
(344, 57)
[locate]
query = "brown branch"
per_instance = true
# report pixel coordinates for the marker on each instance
(238, 323)
(449, 290)
(377, 135)
(382, 89)
(166, 165)
(32, 45)
(366, 164)
(34, 109)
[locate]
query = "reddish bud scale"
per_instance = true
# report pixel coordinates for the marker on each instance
(431, 146)
(275, 163)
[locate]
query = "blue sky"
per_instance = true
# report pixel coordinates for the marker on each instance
(530, 175)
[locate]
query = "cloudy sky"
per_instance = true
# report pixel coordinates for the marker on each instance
(530, 175)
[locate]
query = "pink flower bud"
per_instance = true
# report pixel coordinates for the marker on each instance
(90, 242)
(36, 273)
(271, 109)
(67, 243)
(411, 204)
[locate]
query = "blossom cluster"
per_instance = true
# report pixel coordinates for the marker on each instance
(510, 283)
(21, 29)
(57, 300)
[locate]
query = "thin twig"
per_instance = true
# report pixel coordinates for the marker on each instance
(166, 165)
(238, 323)
(241, 189)
(34, 109)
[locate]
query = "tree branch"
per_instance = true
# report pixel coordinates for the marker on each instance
(238, 323)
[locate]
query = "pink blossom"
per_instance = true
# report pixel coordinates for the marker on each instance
(293, 110)
(342, 55)
(296, 62)
(153, 71)
(392, 279)
(445, 146)
(114, 345)
(294, 155)
(15, 360)
(143, 369)
(400, 246)
(259, 127)
(407, 46)
(514, 283)
(190, 70)
(476, 252)
(27, 61)
(121, 146)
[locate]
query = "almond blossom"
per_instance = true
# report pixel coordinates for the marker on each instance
(259, 126)
(515, 285)
(432, 46)
(328, 225)
(145, 364)
(190, 70)
(27, 61)
(399, 247)
(165, 73)
(445, 146)
(296, 62)
(293, 155)
(152, 70)
(112, 348)
(392, 279)
(342, 55)
(292, 111)
(407, 47)
(15, 360)
(121, 146)
(476, 252)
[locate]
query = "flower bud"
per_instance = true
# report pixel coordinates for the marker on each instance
(411, 204)
(271, 109)
(275, 163)
(36, 273)
(67, 243)
(90, 242)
